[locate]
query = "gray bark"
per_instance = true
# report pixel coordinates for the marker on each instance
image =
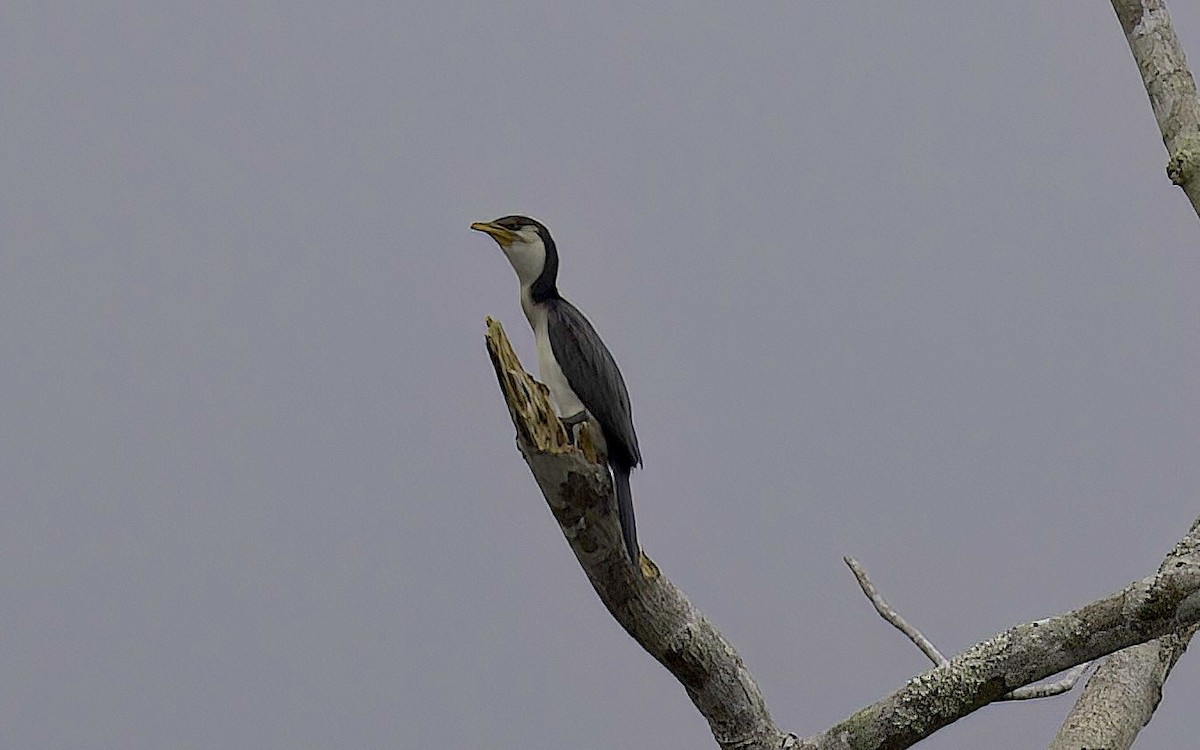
(885, 610)
(1122, 695)
(1170, 86)
(1144, 610)
(662, 620)
(652, 610)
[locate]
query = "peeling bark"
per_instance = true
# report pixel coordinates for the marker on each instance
(660, 618)
(654, 612)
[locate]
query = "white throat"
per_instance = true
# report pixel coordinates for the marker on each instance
(527, 259)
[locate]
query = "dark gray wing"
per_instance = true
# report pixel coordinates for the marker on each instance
(593, 375)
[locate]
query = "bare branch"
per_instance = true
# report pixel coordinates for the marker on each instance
(1021, 655)
(885, 610)
(1047, 689)
(651, 609)
(1122, 695)
(660, 618)
(1169, 84)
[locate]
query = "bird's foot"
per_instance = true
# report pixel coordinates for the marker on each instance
(573, 422)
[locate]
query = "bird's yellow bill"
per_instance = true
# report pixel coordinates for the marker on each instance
(499, 233)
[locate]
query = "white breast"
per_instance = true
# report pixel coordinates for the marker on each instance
(565, 400)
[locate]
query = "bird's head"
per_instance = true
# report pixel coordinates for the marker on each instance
(527, 244)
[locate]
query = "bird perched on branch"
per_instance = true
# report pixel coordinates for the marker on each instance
(573, 362)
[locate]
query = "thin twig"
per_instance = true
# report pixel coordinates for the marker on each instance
(885, 610)
(1021, 655)
(1047, 689)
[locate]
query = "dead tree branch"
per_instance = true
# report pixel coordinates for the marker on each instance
(885, 610)
(662, 620)
(1122, 695)
(1146, 609)
(1170, 86)
(652, 610)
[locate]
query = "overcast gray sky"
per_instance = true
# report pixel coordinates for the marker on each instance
(901, 281)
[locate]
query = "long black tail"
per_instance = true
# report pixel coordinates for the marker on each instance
(625, 512)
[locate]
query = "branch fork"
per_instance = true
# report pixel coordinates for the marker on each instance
(668, 626)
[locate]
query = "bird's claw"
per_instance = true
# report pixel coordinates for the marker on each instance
(570, 423)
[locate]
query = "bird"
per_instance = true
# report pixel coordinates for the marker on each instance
(573, 362)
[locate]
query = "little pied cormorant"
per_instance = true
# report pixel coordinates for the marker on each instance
(572, 360)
